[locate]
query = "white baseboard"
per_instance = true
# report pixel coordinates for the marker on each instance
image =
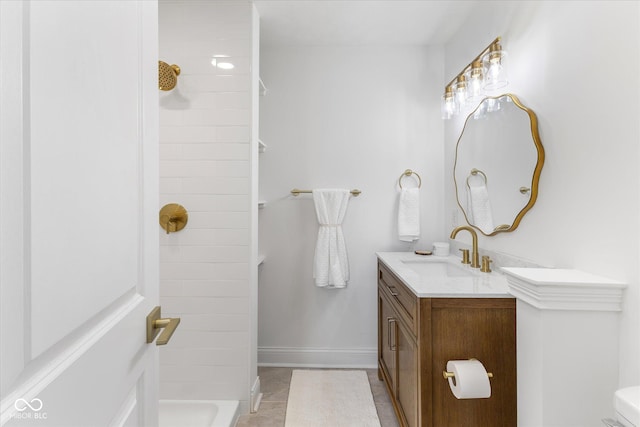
(308, 357)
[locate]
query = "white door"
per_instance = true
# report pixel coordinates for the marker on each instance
(78, 212)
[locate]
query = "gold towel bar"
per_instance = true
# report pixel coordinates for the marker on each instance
(296, 192)
(409, 172)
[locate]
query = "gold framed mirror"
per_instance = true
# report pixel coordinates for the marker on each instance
(499, 158)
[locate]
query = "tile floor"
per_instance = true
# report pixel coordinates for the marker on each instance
(274, 383)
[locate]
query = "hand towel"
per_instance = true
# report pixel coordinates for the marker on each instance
(480, 207)
(330, 265)
(409, 214)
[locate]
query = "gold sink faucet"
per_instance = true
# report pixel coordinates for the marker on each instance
(475, 257)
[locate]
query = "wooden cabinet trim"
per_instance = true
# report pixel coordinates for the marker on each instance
(404, 300)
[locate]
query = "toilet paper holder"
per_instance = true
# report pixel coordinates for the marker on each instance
(447, 374)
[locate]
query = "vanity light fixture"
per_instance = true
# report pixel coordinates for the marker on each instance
(487, 72)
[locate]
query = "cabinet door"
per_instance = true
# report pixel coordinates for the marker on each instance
(484, 329)
(407, 374)
(386, 333)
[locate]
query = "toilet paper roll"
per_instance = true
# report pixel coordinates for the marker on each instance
(471, 380)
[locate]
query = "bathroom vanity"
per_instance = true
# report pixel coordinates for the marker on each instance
(432, 310)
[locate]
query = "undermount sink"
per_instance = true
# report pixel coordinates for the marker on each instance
(440, 277)
(438, 267)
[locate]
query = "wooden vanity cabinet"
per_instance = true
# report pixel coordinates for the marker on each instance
(416, 338)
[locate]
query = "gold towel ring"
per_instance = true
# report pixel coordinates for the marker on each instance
(409, 172)
(475, 172)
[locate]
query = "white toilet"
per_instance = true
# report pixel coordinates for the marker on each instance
(626, 403)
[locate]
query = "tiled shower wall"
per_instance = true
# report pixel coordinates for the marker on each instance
(206, 160)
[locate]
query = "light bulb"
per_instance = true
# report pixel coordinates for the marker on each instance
(448, 106)
(496, 65)
(462, 94)
(475, 78)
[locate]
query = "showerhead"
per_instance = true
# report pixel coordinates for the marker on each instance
(167, 75)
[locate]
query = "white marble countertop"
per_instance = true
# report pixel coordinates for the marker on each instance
(444, 277)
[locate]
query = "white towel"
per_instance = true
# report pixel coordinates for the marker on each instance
(330, 265)
(480, 207)
(409, 214)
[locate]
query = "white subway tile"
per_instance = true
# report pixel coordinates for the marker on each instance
(171, 117)
(171, 288)
(176, 306)
(214, 322)
(213, 83)
(204, 270)
(194, 168)
(171, 185)
(219, 254)
(188, 134)
(208, 339)
(215, 185)
(219, 219)
(207, 203)
(170, 151)
(206, 64)
(219, 117)
(241, 66)
(210, 288)
(216, 357)
(204, 288)
(234, 133)
(208, 237)
(221, 100)
(216, 151)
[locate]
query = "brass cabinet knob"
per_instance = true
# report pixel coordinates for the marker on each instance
(173, 217)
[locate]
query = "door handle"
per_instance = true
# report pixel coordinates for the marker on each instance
(155, 323)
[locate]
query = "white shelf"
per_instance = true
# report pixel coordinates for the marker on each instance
(261, 204)
(262, 147)
(263, 88)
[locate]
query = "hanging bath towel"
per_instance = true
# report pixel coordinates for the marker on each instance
(409, 214)
(330, 265)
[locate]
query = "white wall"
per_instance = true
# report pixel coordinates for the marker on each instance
(576, 64)
(206, 152)
(346, 117)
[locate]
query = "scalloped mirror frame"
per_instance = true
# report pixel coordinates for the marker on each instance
(533, 119)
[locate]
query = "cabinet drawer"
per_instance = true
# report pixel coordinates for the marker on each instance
(403, 300)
